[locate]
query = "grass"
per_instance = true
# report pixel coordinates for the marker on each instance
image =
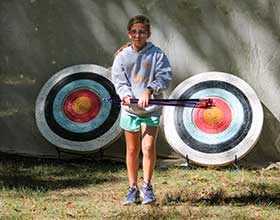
(50, 189)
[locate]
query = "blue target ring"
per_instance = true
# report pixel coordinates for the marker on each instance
(229, 138)
(219, 135)
(70, 112)
(65, 122)
(66, 132)
(228, 134)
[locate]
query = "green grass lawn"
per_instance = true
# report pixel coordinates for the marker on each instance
(51, 189)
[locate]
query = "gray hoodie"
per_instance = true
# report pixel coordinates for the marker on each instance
(133, 72)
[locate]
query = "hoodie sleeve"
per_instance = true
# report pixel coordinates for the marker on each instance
(163, 74)
(120, 78)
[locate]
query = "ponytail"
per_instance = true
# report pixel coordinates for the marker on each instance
(121, 48)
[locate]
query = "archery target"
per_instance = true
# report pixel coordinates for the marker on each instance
(70, 111)
(215, 135)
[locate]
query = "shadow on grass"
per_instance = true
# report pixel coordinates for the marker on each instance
(252, 199)
(25, 181)
(19, 173)
(255, 195)
(153, 213)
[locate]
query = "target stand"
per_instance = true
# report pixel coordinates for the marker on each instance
(70, 112)
(219, 135)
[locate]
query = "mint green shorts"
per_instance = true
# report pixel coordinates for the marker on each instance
(133, 123)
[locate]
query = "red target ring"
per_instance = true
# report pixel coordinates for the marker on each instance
(215, 119)
(217, 135)
(82, 105)
(70, 112)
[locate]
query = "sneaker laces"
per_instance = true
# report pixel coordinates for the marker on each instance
(131, 191)
(148, 189)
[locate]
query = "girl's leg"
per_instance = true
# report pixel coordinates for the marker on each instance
(132, 153)
(149, 135)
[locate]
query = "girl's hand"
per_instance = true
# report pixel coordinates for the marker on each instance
(125, 100)
(144, 100)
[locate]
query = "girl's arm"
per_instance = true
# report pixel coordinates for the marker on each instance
(163, 74)
(120, 79)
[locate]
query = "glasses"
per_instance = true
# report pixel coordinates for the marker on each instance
(134, 32)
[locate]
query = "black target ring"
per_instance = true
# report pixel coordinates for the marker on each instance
(223, 146)
(70, 111)
(216, 135)
(85, 136)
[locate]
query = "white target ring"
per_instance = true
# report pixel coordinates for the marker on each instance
(218, 135)
(70, 112)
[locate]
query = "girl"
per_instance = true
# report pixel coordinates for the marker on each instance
(140, 70)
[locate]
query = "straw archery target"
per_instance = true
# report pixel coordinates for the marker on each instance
(70, 112)
(215, 135)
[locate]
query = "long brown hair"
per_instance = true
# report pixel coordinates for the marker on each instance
(134, 20)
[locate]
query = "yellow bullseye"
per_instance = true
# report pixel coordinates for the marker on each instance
(213, 116)
(81, 105)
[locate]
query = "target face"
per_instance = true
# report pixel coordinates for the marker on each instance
(215, 135)
(70, 112)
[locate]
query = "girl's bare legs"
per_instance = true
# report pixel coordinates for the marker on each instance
(132, 154)
(149, 135)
